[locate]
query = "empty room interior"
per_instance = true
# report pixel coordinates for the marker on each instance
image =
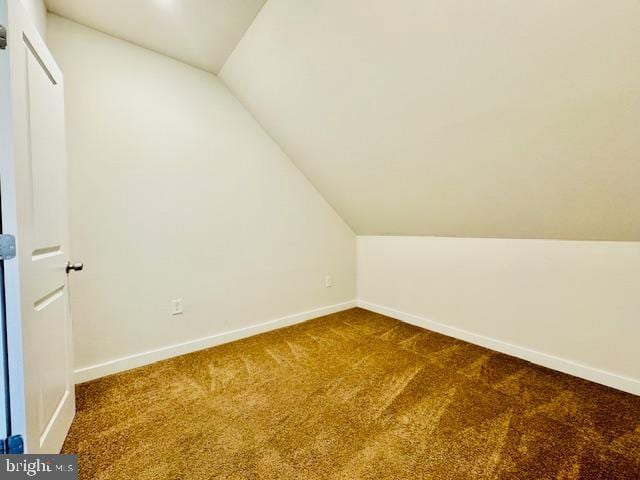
(320, 239)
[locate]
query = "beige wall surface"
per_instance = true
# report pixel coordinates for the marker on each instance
(455, 118)
(177, 192)
(572, 306)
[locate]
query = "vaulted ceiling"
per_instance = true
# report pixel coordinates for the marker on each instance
(517, 119)
(201, 33)
(459, 118)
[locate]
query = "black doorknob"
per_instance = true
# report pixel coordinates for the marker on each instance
(74, 266)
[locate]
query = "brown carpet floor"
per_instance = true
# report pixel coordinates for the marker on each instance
(349, 396)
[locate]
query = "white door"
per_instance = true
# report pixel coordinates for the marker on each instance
(34, 207)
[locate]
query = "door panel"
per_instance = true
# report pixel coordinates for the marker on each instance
(52, 358)
(47, 150)
(48, 257)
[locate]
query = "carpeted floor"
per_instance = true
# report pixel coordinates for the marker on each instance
(348, 396)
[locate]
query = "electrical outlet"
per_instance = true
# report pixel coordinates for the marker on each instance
(328, 282)
(177, 306)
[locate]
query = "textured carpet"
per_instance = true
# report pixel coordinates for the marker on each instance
(348, 396)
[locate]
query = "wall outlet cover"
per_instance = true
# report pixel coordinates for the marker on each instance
(177, 306)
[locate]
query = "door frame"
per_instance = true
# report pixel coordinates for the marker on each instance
(5, 399)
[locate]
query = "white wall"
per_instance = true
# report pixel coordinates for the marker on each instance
(38, 12)
(573, 306)
(176, 191)
(492, 118)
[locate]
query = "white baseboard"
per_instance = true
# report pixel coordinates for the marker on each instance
(144, 358)
(570, 367)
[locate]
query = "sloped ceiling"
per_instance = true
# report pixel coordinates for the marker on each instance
(516, 119)
(201, 33)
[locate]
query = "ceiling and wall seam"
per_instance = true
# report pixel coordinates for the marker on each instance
(132, 43)
(241, 37)
(286, 154)
(268, 131)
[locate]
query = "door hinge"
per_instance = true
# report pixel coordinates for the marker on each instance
(12, 445)
(3, 37)
(7, 247)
